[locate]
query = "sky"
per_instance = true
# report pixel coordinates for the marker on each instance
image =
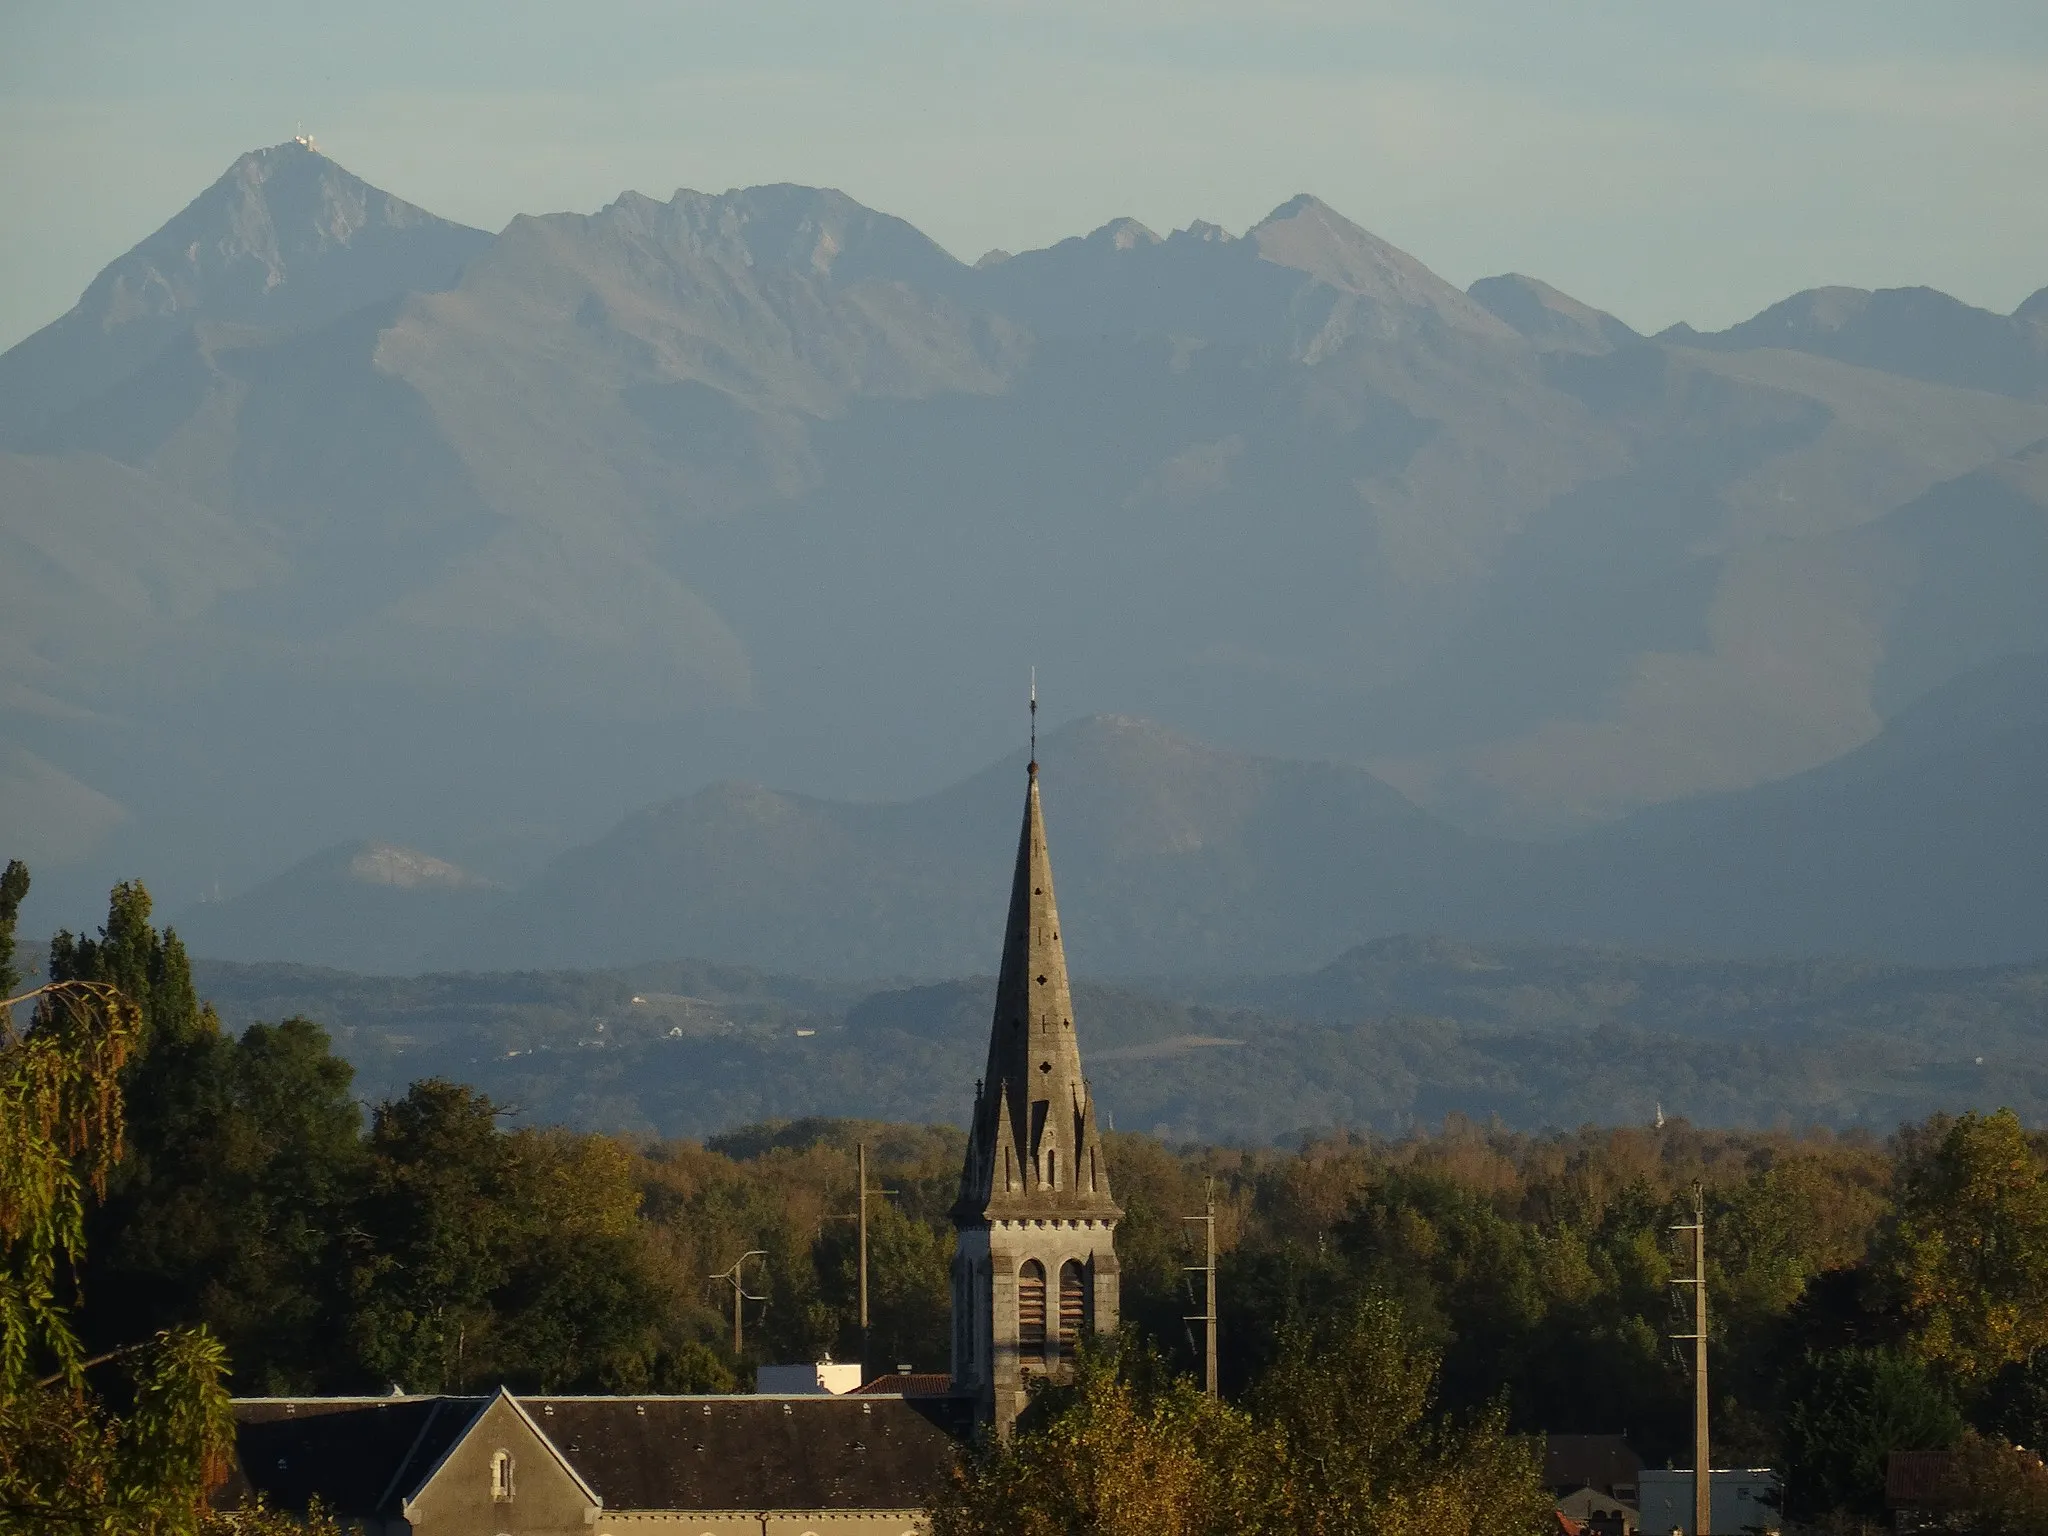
(1664, 161)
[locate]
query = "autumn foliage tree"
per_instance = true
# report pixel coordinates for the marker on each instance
(66, 1460)
(1341, 1436)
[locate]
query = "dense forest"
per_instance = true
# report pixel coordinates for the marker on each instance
(1867, 1294)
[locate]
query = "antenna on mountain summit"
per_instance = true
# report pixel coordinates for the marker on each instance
(1034, 720)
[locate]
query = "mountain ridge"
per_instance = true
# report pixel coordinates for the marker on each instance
(764, 485)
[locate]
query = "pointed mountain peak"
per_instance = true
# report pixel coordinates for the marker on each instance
(1307, 234)
(1123, 235)
(1554, 321)
(285, 239)
(1300, 205)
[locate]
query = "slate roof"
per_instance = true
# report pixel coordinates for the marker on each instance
(358, 1454)
(910, 1384)
(809, 1452)
(362, 1455)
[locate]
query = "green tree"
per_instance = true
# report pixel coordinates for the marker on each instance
(909, 1289)
(13, 887)
(1361, 1447)
(433, 1220)
(1846, 1410)
(149, 967)
(230, 1208)
(484, 1257)
(67, 1460)
(1968, 1259)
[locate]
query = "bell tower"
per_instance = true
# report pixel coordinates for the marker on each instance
(1034, 1265)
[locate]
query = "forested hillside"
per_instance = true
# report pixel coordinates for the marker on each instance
(1390, 1036)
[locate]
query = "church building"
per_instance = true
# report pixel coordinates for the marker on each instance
(1034, 1270)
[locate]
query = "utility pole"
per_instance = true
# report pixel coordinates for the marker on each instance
(1207, 1316)
(859, 1216)
(1702, 1466)
(740, 1296)
(860, 1157)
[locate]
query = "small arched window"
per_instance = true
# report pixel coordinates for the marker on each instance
(1052, 1168)
(1031, 1308)
(1077, 1314)
(501, 1474)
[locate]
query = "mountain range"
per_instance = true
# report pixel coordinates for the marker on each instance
(1175, 860)
(324, 520)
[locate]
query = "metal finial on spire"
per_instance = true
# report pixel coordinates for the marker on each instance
(1034, 722)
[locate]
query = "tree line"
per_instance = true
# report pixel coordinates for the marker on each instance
(1868, 1295)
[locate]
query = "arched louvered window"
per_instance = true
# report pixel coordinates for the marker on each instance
(1031, 1308)
(1077, 1316)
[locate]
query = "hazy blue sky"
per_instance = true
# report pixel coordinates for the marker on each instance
(1666, 161)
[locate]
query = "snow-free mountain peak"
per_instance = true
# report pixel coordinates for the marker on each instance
(1307, 234)
(286, 239)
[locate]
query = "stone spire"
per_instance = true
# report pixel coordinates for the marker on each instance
(1034, 1253)
(1034, 1151)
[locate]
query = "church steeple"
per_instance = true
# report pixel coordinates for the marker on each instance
(1035, 1263)
(1034, 1150)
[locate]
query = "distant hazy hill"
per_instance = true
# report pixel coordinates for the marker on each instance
(1392, 1034)
(1919, 332)
(323, 517)
(360, 907)
(1170, 856)
(1929, 844)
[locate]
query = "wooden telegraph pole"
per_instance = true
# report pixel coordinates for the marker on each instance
(859, 1216)
(1207, 1316)
(860, 1155)
(1702, 1465)
(740, 1296)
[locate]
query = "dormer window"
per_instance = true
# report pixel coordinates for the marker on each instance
(501, 1474)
